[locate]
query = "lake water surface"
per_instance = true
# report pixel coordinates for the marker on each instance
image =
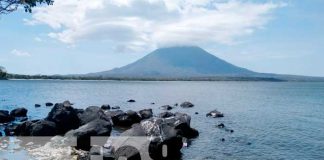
(271, 120)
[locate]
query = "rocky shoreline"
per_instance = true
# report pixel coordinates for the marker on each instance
(145, 134)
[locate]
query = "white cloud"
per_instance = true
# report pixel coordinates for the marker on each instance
(20, 53)
(138, 24)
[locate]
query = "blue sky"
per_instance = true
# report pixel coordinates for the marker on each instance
(81, 36)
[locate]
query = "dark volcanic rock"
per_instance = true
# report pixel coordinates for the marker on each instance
(92, 113)
(146, 113)
(186, 105)
(49, 104)
(19, 112)
(36, 128)
(125, 119)
(162, 131)
(165, 115)
(65, 117)
(10, 130)
(215, 114)
(83, 134)
(42, 128)
(115, 107)
(166, 107)
(23, 129)
(221, 125)
(67, 104)
(37, 105)
(131, 101)
(105, 107)
(5, 117)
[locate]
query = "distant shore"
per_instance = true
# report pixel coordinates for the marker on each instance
(219, 78)
(267, 78)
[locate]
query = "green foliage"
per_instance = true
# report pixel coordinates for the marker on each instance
(7, 6)
(3, 73)
(29, 4)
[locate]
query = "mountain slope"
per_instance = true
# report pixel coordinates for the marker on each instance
(177, 62)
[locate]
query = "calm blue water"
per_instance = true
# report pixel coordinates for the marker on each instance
(271, 120)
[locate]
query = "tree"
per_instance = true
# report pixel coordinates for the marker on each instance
(8, 6)
(3, 73)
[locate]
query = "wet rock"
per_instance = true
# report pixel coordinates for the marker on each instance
(67, 104)
(36, 128)
(5, 117)
(83, 134)
(131, 101)
(37, 105)
(79, 111)
(64, 116)
(115, 107)
(165, 115)
(42, 128)
(163, 131)
(215, 114)
(92, 113)
(146, 113)
(187, 105)
(22, 119)
(49, 104)
(23, 129)
(166, 107)
(125, 119)
(105, 107)
(221, 125)
(10, 130)
(19, 112)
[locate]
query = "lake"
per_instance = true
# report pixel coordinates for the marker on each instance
(271, 120)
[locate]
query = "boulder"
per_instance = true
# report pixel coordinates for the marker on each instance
(115, 107)
(214, 114)
(92, 113)
(165, 115)
(5, 117)
(19, 112)
(131, 101)
(160, 131)
(23, 129)
(65, 117)
(146, 113)
(10, 130)
(83, 134)
(42, 128)
(186, 105)
(221, 125)
(36, 128)
(105, 107)
(67, 103)
(37, 105)
(166, 107)
(125, 119)
(49, 104)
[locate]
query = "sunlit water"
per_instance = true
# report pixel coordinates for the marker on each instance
(271, 120)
